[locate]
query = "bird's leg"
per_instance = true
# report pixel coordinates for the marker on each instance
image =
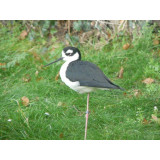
(87, 115)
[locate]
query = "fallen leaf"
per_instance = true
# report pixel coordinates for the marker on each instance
(93, 23)
(40, 67)
(154, 117)
(60, 104)
(145, 121)
(57, 76)
(120, 74)
(124, 93)
(109, 35)
(121, 21)
(156, 42)
(2, 64)
(25, 101)
(136, 92)
(126, 46)
(36, 56)
(23, 35)
(26, 78)
(53, 48)
(148, 81)
(39, 78)
(61, 135)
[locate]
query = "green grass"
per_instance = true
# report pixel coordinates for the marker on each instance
(113, 114)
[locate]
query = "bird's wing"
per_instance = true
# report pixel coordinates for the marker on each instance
(88, 74)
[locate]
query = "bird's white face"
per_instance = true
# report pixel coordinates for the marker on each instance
(68, 56)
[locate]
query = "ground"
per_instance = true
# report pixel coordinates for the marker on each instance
(51, 110)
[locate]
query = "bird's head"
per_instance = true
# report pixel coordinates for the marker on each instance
(69, 54)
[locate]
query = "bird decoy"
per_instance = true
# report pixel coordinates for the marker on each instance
(82, 76)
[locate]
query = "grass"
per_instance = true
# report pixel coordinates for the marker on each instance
(114, 114)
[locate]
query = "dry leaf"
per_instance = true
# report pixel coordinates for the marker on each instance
(137, 92)
(109, 35)
(2, 64)
(26, 78)
(61, 135)
(36, 56)
(57, 76)
(121, 21)
(156, 42)
(38, 79)
(23, 35)
(126, 46)
(145, 121)
(93, 23)
(25, 101)
(120, 74)
(154, 117)
(60, 104)
(124, 93)
(40, 67)
(148, 81)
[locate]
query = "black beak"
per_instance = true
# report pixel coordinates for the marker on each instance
(53, 62)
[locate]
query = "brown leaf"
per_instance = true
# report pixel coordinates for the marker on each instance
(126, 46)
(93, 23)
(121, 21)
(25, 101)
(148, 81)
(40, 67)
(156, 42)
(57, 76)
(60, 104)
(23, 35)
(61, 135)
(39, 78)
(2, 64)
(124, 93)
(36, 56)
(26, 78)
(145, 121)
(109, 35)
(154, 117)
(136, 92)
(120, 74)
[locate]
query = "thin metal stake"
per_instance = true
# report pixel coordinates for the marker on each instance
(87, 115)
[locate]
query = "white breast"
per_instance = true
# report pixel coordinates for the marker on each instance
(73, 85)
(69, 83)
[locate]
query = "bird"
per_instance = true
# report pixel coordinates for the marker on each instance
(82, 76)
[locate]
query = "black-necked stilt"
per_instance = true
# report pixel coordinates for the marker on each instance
(82, 76)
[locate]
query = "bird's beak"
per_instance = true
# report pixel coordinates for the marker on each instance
(53, 62)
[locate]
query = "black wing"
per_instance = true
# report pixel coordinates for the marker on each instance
(88, 74)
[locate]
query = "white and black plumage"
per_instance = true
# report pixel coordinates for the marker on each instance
(82, 76)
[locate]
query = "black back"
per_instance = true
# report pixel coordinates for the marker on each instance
(88, 74)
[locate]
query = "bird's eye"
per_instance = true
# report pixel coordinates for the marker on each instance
(68, 54)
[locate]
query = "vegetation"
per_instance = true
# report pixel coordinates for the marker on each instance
(50, 110)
